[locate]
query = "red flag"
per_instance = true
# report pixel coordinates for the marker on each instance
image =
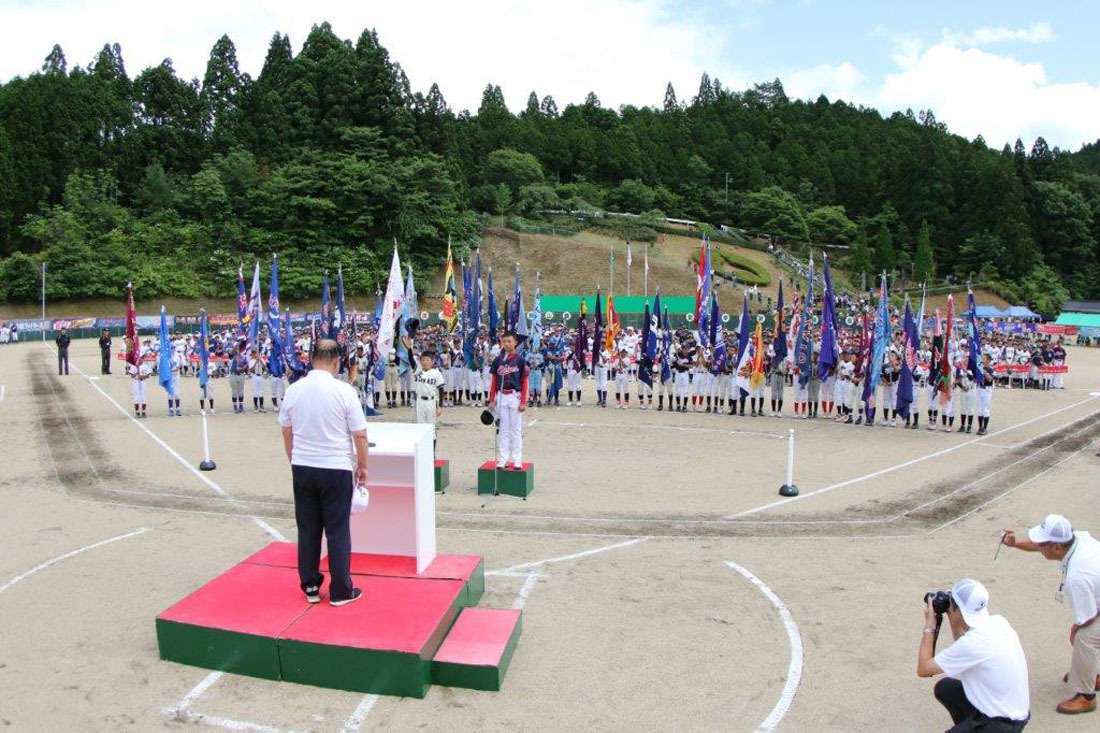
(131, 327)
(699, 277)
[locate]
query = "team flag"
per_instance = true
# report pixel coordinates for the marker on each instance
(391, 307)
(743, 367)
(779, 342)
(580, 344)
(164, 358)
(908, 362)
(666, 346)
(242, 305)
(255, 309)
(945, 358)
(326, 308)
(204, 351)
(291, 347)
(827, 359)
(645, 363)
(133, 349)
(974, 362)
(804, 341)
(519, 317)
(467, 328)
(756, 380)
(717, 336)
(450, 300)
(278, 346)
(408, 311)
(699, 302)
(706, 328)
(881, 339)
(612, 325)
(377, 307)
(597, 335)
(494, 316)
(536, 315)
(339, 314)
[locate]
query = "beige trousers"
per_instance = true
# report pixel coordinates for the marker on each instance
(1085, 663)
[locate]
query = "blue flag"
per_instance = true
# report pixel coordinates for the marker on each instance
(204, 351)
(467, 318)
(326, 307)
(377, 307)
(291, 348)
(536, 317)
(336, 321)
(493, 315)
(974, 361)
(717, 337)
(779, 343)
(597, 335)
(804, 342)
(706, 328)
(908, 362)
(881, 339)
(164, 358)
(645, 363)
(242, 305)
(666, 345)
(828, 357)
(278, 346)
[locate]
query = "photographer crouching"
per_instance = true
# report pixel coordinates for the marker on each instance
(986, 687)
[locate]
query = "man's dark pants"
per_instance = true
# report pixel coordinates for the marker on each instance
(949, 691)
(322, 501)
(63, 362)
(105, 367)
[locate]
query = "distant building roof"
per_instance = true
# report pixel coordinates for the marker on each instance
(1088, 320)
(1081, 306)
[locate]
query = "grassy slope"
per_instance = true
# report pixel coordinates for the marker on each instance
(569, 265)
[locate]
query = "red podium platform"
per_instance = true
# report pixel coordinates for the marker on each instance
(254, 620)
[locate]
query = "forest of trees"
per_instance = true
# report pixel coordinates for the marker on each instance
(327, 156)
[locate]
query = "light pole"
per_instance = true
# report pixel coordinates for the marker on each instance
(727, 205)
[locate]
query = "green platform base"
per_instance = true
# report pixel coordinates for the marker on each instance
(442, 476)
(509, 482)
(477, 651)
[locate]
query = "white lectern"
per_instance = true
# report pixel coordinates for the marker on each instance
(400, 519)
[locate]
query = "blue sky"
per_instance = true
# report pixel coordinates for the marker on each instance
(1000, 69)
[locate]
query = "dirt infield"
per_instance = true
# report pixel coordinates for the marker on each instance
(635, 617)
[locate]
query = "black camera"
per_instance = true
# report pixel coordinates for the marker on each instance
(941, 601)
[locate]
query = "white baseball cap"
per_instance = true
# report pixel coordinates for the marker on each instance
(972, 598)
(1055, 528)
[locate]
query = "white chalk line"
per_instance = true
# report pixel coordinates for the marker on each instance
(61, 558)
(904, 464)
(782, 522)
(794, 669)
(1005, 493)
(271, 531)
(634, 426)
(362, 710)
(3, 392)
(566, 558)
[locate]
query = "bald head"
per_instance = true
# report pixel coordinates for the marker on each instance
(326, 355)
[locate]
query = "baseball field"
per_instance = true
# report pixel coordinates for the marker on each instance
(664, 583)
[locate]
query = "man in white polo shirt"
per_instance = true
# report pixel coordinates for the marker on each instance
(325, 435)
(1079, 555)
(986, 684)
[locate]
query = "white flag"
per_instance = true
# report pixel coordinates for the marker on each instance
(629, 258)
(391, 307)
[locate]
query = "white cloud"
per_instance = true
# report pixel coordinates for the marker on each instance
(987, 35)
(624, 50)
(839, 81)
(977, 92)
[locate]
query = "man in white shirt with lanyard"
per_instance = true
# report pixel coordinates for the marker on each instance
(325, 436)
(1079, 554)
(986, 686)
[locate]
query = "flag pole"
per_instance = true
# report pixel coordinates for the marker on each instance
(645, 272)
(629, 261)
